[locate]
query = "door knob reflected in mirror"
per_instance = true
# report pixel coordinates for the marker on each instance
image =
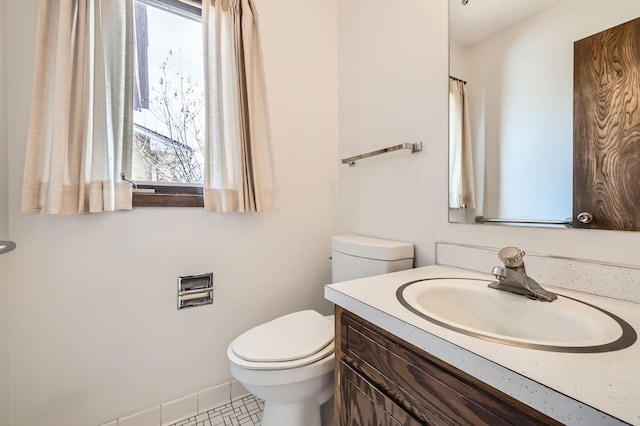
(585, 217)
(6, 246)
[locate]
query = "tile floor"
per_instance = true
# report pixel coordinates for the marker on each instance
(246, 411)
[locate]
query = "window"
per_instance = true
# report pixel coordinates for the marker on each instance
(168, 145)
(87, 137)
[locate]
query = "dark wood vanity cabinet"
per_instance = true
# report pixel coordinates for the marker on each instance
(383, 380)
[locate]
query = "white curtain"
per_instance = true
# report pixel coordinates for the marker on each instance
(461, 180)
(81, 129)
(238, 169)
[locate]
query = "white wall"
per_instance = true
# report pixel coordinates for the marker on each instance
(401, 95)
(96, 334)
(392, 88)
(521, 98)
(4, 232)
(91, 343)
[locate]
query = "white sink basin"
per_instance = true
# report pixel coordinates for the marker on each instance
(470, 307)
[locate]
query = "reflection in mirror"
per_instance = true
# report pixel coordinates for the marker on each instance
(7, 246)
(517, 60)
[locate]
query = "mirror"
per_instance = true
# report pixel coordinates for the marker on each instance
(517, 61)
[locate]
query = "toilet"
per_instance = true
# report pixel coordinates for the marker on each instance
(288, 362)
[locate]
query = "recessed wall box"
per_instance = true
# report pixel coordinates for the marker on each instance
(195, 290)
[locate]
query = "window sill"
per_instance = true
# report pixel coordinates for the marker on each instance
(167, 200)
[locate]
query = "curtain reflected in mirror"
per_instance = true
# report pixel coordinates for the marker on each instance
(461, 182)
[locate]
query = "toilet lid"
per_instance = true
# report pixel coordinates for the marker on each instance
(290, 337)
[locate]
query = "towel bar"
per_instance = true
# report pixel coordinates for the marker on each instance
(414, 147)
(482, 219)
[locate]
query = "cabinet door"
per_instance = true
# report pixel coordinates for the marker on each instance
(364, 405)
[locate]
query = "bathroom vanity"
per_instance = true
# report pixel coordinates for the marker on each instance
(384, 380)
(395, 367)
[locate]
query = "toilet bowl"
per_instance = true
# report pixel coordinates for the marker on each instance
(288, 362)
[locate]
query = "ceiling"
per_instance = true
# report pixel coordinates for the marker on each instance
(481, 18)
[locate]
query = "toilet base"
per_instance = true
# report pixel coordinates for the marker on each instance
(308, 414)
(300, 404)
(300, 413)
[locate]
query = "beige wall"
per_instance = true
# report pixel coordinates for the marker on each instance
(392, 88)
(4, 232)
(96, 334)
(392, 82)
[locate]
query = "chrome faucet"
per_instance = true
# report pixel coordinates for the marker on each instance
(513, 277)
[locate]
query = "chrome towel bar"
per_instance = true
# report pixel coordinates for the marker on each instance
(567, 222)
(414, 147)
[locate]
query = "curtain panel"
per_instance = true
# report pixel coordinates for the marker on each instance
(238, 165)
(80, 130)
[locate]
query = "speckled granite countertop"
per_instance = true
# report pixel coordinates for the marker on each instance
(574, 388)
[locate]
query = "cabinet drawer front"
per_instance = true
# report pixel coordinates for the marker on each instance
(366, 406)
(433, 391)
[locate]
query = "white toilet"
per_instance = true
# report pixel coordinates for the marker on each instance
(288, 362)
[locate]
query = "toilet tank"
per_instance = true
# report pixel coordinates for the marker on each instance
(355, 256)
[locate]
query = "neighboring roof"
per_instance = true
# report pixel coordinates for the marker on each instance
(158, 137)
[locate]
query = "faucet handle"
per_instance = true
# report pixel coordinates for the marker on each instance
(512, 257)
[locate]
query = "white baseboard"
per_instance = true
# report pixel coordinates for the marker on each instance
(182, 408)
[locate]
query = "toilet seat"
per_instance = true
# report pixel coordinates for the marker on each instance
(280, 365)
(290, 341)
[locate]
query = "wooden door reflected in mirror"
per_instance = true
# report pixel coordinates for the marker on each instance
(606, 154)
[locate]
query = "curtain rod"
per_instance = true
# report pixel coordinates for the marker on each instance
(457, 79)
